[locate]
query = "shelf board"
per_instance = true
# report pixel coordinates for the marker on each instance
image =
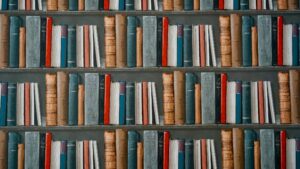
(151, 127)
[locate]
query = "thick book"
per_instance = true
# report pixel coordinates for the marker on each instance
(110, 149)
(15, 23)
(149, 41)
(227, 149)
(187, 46)
(190, 81)
(121, 148)
(168, 98)
(287, 45)
(110, 41)
(188, 5)
(73, 99)
(80, 46)
(91, 5)
(51, 99)
(4, 40)
(12, 150)
(249, 138)
(244, 4)
(133, 138)
(264, 26)
(284, 98)
(33, 40)
(231, 102)
(11, 104)
(267, 148)
(246, 102)
(238, 147)
(294, 81)
(56, 46)
(71, 47)
(173, 149)
(32, 147)
(62, 98)
(55, 158)
(3, 149)
(195, 45)
(246, 40)
(151, 149)
(282, 4)
(121, 41)
(179, 97)
(208, 97)
(91, 99)
(131, 41)
(236, 39)
(225, 41)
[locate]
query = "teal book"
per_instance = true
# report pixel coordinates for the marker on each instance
(12, 4)
(297, 153)
(129, 5)
(63, 155)
(130, 103)
(238, 104)
(190, 81)
(121, 5)
(73, 99)
(12, 150)
(33, 41)
(3, 108)
(4, 5)
(189, 151)
(71, 154)
(64, 44)
(246, 40)
(181, 152)
(92, 5)
(179, 45)
(122, 103)
(73, 5)
(187, 46)
(246, 102)
(11, 104)
(133, 138)
(295, 45)
(206, 5)
(249, 138)
(131, 41)
(188, 5)
(236, 4)
(244, 4)
(71, 51)
(14, 29)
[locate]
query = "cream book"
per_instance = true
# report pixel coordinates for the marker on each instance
(231, 103)
(79, 46)
(114, 98)
(254, 102)
(172, 45)
(195, 45)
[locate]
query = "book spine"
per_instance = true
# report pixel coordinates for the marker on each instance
(264, 27)
(295, 45)
(15, 23)
(130, 103)
(208, 98)
(188, 5)
(12, 4)
(236, 31)
(166, 150)
(254, 46)
(3, 108)
(165, 23)
(294, 76)
(121, 5)
(261, 102)
(249, 148)
(132, 149)
(279, 40)
(73, 5)
(274, 41)
(187, 46)
(238, 147)
(71, 46)
(190, 98)
(179, 97)
(218, 98)
(227, 149)
(131, 41)
(160, 149)
(64, 44)
(43, 41)
(22, 48)
(150, 149)
(91, 99)
(48, 41)
(238, 105)
(12, 152)
(223, 97)
(139, 46)
(203, 154)
(62, 98)
(267, 148)
(110, 41)
(225, 41)
(101, 98)
(4, 39)
(244, 4)
(106, 4)
(71, 154)
(11, 104)
(86, 46)
(179, 45)
(63, 155)
(189, 157)
(129, 5)
(21, 155)
(73, 99)
(283, 149)
(4, 5)
(51, 100)
(297, 153)
(145, 103)
(284, 98)
(246, 102)
(168, 98)
(80, 104)
(121, 40)
(221, 4)
(198, 103)
(159, 41)
(282, 4)
(107, 98)
(42, 150)
(246, 40)
(181, 154)
(202, 45)
(122, 103)
(48, 150)
(149, 41)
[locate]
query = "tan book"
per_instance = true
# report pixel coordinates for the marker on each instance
(196, 5)
(62, 98)
(292, 4)
(284, 98)
(110, 41)
(256, 155)
(4, 40)
(254, 46)
(22, 48)
(3, 149)
(140, 155)
(110, 150)
(63, 5)
(295, 95)
(179, 96)
(80, 105)
(198, 118)
(81, 5)
(178, 5)
(236, 40)
(168, 98)
(52, 5)
(21, 151)
(121, 148)
(227, 149)
(168, 5)
(282, 4)
(225, 41)
(238, 147)
(51, 100)
(121, 40)
(139, 47)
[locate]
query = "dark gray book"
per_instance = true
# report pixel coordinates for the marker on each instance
(208, 98)
(149, 41)
(32, 150)
(91, 99)
(264, 26)
(150, 149)
(91, 5)
(206, 5)
(33, 41)
(267, 149)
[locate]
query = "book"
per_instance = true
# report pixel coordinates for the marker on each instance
(291, 153)
(110, 41)
(20, 104)
(254, 46)
(264, 26)
(279, 40)
(73, 99)
(190, 81)
(62, 98)
(168, 5)
(294, 83)
(32, 147)
(51, 99)
(189, 154)
(3, 108)
(15, 23)
(121, 58)
(62, 5)
(223, 98)
(80, 104)
(149, 41)
(3, 149)
(145, 112)
(287, 45)
(179, 97)
(140, 152)
(129, 5)
(238, 147)
(73, 5)
(206, 5)
(131, 40)
(181, 152)
(139, 46)
(91, 99)
(267, 148)
(208, 97)
(115, 106)
(254, 102)
(55, 158)
(49, 22)
(227, 149)
(130, 103)
(159, 40)
(150, 149)
(283, 149)
(295, 45)
(79, 154)
(168, 98)
(231, 102)
(110, 149)
(71, 47)
(4, 40)
(121, 148)
(33, 41)
(11, 104)
(236, 39)
(22, 48)
(52, 5)
(80, 46)
(56, 46)
(225, 41)
(63, 154)
(12, 149)
(198, 103)
(21, 154)
(195, 45)
(261, 102)
(246, 39)
(284, 98)
(238, 100)
(249, 138)
(179, 46)
(91, 5)
(174, 155)
(48, 141)
(133, 138)
(63, 51)
(165, 39)
(138, 103)
(187, 46)
(246, 102)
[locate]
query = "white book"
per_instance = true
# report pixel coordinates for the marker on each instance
(172, 45)
(32, 118)
(154, 98)
(254, 102)
(271, 103)
(291, 153)
(271, 4)
(207, 58)
(33, 5)
(96, 43)
(264, 4)
(37, 104)
(173, 154)
(114, 4)
(228, 4)
(197, 153)
(212, 46)
(0, 5)
(156, 5)
(96, 156)
(138, 103)
(21, 4)
(149, 5)
(252, 4)
(208, 154)
(195, 45)
(79, 155)
(40, 5)
(138, 5)
(287, 45)
(231, 102)
(79, 46)
(91, 154)
(213, 154)
(20, 104)
(91, 35)
(114, 98)
(150, 103)
(55, 158)
(266, 104)
(56, 46)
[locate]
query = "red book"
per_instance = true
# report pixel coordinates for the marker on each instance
(282, 149)
(48, 150)
(202, 45)
(279, 41)
(86, 163)
(221, 4)
(166, 150)
(86, 46)
(261, 102)
(48, 41)
(106, 4)
(27, 104)
(28, 5)
(223, 97)
(203, 153)
(259, 4)
(145, 103)
(165, 42)
(144, 5)
(106, 98)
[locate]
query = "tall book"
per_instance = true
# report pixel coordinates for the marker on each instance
(225, 41)
(101, 98)
(33, 25)
(4, 40)
(249, 138)
(282, 4)
(121, 148)
(73, 99)
(12, 150)
(280, 40)
(49, 22)
(73, 5)
(91, 5)
(3, 149)
(267, 148)
(246, 40)
(164, 57)
(274, 41)
(110, 161)
(149, 41)
(11, 104)
(121, 40)
(151, 149)
(110, 41)
(284, 98)
(264, 26)
(91, 99)
(238, 147)
(130, 103)
(51, 100)
(206, 5)
(62, 98)
(131, 41)
(287, 45)
(180, 45)
(159, 40)
(254, 46)
(32, 150)
(246, 102)
(208, 97)
(15, 23)
(190, 81)
(133, 138)
(187, 46)
(71, 154)
(63, 41)
(71, 47)
(189, 154)
(168, 98)
(52, 5)
(168, 5)
(236, 39)
(122, 103)
(3, 108)
(107, 84)
(294, 81)
(179, 97)
(227, 149)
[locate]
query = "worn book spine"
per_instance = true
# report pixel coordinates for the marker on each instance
(179, 5)
(264, 27)
(91, 5)
(110, 41)
(81, 5)
(206, 5)
(294, 82)
(49, 23)
(122, 103)
(21, 156)
(168, 98)
(3, 149)
(62, 98)
(11, 104)
(208, 97)
(168, 5)
(121, 58)
(121, 148)
(225, 41)
(238, 147)
(227, 149)
(279, 40)
(133, 138)
(188, 5)
(52, 5)
(62, 5)
(73, 99)
(187, 46)
(4, 40)
(282, 4)
(198, 103)
(91, 99)
(284, 98)
(250, 137)
(86, 46)
(256, 155)
(165, 25)
(12, 150)
(32, 147)
(73, 5)
(80, 104)
(150, 149)
(13, 5)
(131, 41)
(22, 48)
(140, 155)
(149, 41)
(292, 4)
(246, 40)
(254, 46)
(139, 46)
(267, 148)
(51, 100)
(190, 81)
(15, 23)
(130, 103)
(236, 47)
(110, 156)
(179, 97)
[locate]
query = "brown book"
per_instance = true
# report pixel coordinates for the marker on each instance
(236, 39)
(80, 105)
(256, 155)
(27, 104)
(22, 48)
(121, 40)
(27, 5)
(110, 150)
(178, 5)
(52, 5)
(254, 46)
(86, 154)
(140, 155)
(196, 5)
(63, 5)
(225, 41)
(295, 95)
(3, 149)
(284, 98)
(227, 149)
(121, 148)
(110, 41)
(21, 152)
(4, 40)
(145, 103)
(168, 98)
(81, 5)
(202, 45)
(168, 5)
(179, 97)
(238, 147)
(203, 154)
(292, 4)
(198, 118)
(51, 100)
(62, 98)
(86, 46)
(139, 47)
(282, 4)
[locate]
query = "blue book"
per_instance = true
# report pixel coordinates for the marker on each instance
(190, 81)
(244, 4)
(179, 45)
(188, 5)
(238, 106)
(122, 103)
(236, 4)
(71, 154)
(3, 104)
(297, 153)
(133, 138)
(130, 103)
(13, 5)
(131, 41)
(250, 137)
(73, 5)
(121, 5)
(246, 102)
(15, 23)
(11, 104)
(246, 40)
(101, 99)
(64, 45)
(4, 5)
(63, 155)
(189, 151)
(12, 148)
(295, 45)
(299, 43)
(187, 46)
(181, 153)
(73, 99)
(129, 5)
(71, 53)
